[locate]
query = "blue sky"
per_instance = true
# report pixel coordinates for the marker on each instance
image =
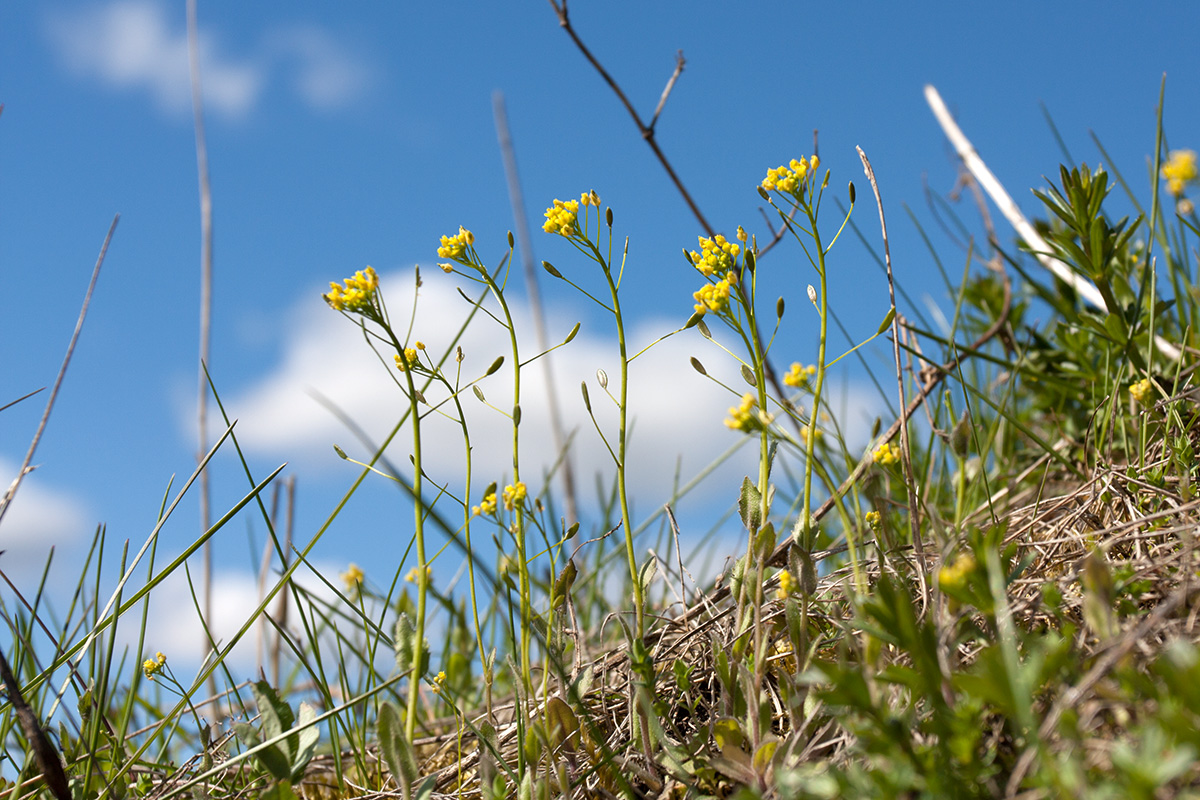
(342, 138)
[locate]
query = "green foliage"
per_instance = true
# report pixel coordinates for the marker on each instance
(284, 742)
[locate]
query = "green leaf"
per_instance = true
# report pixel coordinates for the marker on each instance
(750, 505)
(307, 737)
(395, 748)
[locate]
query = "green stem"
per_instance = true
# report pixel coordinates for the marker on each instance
(622, 411)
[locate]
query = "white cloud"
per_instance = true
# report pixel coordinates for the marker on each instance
(323, 73)
(676, 413)
(132, 45)
(135, 45)
(39, 517)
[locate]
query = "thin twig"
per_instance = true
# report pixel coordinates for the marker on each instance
(647, 131)
(914, 501)
(662, 101)
(62, 371)
(521, 221)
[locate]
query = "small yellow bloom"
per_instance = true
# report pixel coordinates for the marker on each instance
(787, 585)
(1179, 170)
(589, 199)
(873, 520)
(514, 495)
(886, 454)
(798, 375)
(744, 416)
(954, 575)
(486, 506)
(455, 247)
(409, 361)
(716, 255)
(714, 296)
(438, 681)
(791, 179)
(352, 578)
(741, 234)
(1141, 391)
(561, 218)
(446, 267)
(358, 295)
(154, 666)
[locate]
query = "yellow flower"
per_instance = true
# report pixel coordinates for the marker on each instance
(455, 247)
(714, 296)
(1179, 170)
(954, 576)
(783, 658)
(486, 506)
(438, 681)
(447, 268)
(409, 361)
(561, 218)
(589, 199)
(873, 520)
(514, 495)
(352, 578)
(741, 234)
(787, 585)
(798, 376)
(790, 179)
(716, 255)
(886, 454)
(744, 416)
(358, 295)
(1141, 391)
(154, 666)
(415, 573)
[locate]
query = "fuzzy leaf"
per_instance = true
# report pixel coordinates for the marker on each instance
(750, 505)
(395, 748)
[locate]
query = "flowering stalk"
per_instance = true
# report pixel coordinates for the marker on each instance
(460, 249)
(562, 218)
(360, 296)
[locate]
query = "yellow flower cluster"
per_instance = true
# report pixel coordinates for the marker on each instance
(486, 506)
(744, 417)
(456, 246)
(410, 358)
(514, 495)
(352, 578)
(787, 584)
(716, 255)
(1179, 170)
(154, 666)
(792, 178)
(438, 681)
(873, 520)
(798, 376)
(954, 576)
(1141, 391)
(886, 454)
(561, 217)
(358, 294)
(714, 296)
